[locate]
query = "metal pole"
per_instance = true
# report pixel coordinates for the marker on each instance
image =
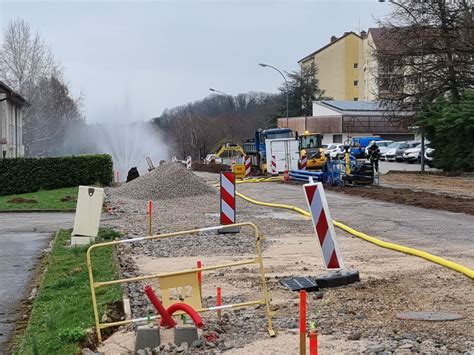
(287, 91)
(231, 101)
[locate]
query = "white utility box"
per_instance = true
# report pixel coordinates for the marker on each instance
(88, 211)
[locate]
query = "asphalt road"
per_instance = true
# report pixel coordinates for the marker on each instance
(385, 166)
(442, 233)
(22, 238)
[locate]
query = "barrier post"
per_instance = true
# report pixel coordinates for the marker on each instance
(313, 342)
(286, 176)
(248, 165)
(322, 223)
(117, 177)
(188, 162)
(219, 302)
(199, 275)
(303, 162)
(302, 322)
(273, 164)
(149, 217)
(227, 198)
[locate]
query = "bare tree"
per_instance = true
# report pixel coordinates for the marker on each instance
(25, 58)
(425, 50)
(200, 127)
(52, 111)
(29, 67)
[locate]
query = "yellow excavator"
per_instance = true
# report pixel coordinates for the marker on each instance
(229, 154)
(311, 146)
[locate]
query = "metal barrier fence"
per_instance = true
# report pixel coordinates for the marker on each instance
(166, 276)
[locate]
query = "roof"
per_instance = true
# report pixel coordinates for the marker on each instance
(407, 40)
(353, 105)
(377, 35)
(356, 108)
(328, 45)
(17, 99)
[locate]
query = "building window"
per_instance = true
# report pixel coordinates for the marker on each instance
(337, 138)
(356, 65)
(356, 99)
(356, 82)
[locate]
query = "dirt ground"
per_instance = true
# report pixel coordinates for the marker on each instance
(359, 318)
(458, 186)
(408, 196)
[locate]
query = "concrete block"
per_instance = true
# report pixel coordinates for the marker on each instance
(79, 240)
(147, 337)
(187, 334)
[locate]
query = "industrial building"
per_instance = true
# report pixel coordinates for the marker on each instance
(340, 120)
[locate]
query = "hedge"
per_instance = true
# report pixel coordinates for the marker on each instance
(450, 130)
(23, 175)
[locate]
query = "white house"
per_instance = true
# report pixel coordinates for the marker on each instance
(11, 122)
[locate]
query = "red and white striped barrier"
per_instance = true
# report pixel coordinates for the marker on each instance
(228, 201)
(322, 223)
(248, 165)
(303, 162)
(273, 166)
(286, 176)
(188, 162)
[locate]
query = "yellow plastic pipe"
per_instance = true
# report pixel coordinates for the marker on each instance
(411, 251)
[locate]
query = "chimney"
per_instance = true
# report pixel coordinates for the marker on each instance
(363, 34)
(333, 38)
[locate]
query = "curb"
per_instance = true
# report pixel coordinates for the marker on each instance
(38, 210)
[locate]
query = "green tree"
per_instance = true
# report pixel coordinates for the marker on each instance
(450, 127)
(303, 89)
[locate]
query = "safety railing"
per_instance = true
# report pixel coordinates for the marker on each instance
(258, 260)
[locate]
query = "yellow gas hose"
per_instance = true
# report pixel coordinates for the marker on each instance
(430, 257)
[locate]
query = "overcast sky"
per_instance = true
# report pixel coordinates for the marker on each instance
(132, 59)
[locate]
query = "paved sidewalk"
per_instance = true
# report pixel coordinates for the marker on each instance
(22, 238)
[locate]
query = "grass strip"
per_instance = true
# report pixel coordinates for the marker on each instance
(46, 200)
(62, 317)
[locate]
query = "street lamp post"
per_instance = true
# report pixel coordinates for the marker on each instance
(422, 153)
(229, 97)
(263, 65)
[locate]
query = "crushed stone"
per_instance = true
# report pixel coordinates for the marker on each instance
(168, 181)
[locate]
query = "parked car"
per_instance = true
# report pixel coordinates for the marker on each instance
(383, 146)
(403, 147)
(358, 145)
(335, 151)
(390, 151)
(429, 153)
(412, 155)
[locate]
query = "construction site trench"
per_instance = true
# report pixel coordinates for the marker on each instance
(357, 318)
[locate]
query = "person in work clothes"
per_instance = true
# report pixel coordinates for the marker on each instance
(374, 155)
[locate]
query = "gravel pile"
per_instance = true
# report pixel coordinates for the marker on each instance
(169, 180)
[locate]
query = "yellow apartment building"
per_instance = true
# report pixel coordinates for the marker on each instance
(346, 66)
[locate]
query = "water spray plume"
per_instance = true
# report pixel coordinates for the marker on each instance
(128, 144)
